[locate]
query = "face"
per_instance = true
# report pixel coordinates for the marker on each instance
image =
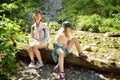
(68, 29)
(38, 17)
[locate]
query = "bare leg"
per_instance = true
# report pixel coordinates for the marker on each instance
(56, 67)
(36, 50)
(31, 53)
(61, 59)
(37, 53)
(75, 41)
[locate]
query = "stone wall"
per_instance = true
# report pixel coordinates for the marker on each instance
(49, 8)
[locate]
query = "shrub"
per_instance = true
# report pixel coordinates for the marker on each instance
(10, 33)
(89, 23)
(53, 26)
(95, 23)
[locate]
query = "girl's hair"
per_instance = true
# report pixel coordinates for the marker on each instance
(65, 25)
(35, 14)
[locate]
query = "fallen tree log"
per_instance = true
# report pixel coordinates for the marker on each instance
(72, 60)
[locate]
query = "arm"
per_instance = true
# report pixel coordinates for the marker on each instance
(61, 40)
(36, 34)
(46, 34)
(32, 31)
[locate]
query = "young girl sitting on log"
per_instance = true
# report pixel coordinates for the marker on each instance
(40, 34)
(62, 45)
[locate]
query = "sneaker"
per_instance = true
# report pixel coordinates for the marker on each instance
(62, 76)
(32, 64)
(38, 65)
(83, 55)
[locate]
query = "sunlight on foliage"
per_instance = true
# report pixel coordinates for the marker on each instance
(10, 33)
(53, 26)
(92, 15)
(9, 6)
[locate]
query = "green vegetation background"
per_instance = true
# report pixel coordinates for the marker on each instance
(87, 15)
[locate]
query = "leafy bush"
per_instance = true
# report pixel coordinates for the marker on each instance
(116, 21)
(89, 7)
(95, 23)
(88, 23)
(17, 10)
(53, 26)
(92, 15)
(10, 33)
(8, 66)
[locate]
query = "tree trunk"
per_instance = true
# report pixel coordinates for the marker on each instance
(72, 60)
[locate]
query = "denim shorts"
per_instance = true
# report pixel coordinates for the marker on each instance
(54, 52)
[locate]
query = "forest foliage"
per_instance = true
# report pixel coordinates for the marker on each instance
(12, 29)
(92, 15)
(87, 15)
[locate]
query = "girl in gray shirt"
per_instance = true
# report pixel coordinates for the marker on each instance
(39, 40)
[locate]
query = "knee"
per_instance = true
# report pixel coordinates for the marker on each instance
(45, 45)
(60, 53)
(74, 38)
(30, 48)
(35, 47)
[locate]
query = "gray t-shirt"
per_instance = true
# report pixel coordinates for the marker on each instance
(44, 32)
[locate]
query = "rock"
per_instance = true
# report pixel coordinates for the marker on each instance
(111, 57)
(81, 37)
(87, 48)
(95, 49)
(48, 8)
(52, 9)
(93, 44)
(30, 71)
(28, 17)
(112, 34)
(49, 74)
(101, 76)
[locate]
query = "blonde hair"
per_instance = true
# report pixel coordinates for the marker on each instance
(35, 15)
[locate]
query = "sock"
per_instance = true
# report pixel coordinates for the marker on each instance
(40, 62)
(32, 61)
(62, 73)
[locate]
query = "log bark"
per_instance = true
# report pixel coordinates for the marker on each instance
(72, 60)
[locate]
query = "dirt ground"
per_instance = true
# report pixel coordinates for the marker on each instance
(47, 73)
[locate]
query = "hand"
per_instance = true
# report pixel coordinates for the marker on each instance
(64, 45)
(36, 34)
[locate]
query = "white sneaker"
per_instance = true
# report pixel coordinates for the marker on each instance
(38, 65)
(32, 64)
